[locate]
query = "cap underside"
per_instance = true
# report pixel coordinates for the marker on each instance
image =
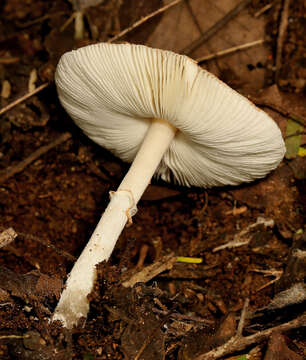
(112, 91)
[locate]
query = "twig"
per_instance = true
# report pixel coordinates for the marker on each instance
(143, 20)
(243, 317)
(23, 98)
(142, 255)
(13, 170)
(179, 317)
(276, 273)
(215, 28)
(242, 237)
(195, 20)
(238, 343)
(230, 50)
(263, 9)
(4, 337)
(68, 22)
(281, 36)
(39, 19)
(149, 272)
(9, 60)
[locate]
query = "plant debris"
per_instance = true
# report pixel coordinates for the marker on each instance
(54, 185)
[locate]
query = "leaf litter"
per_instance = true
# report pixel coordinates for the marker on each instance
(187, 309)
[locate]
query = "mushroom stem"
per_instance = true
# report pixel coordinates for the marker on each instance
(73, 303)
(153, 148)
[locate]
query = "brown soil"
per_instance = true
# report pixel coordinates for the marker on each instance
(55, 202)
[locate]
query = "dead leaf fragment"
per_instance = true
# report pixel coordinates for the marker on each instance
(7, 236)
(278, 349)
(31, 286)
(294, 295)
(295, 271)
(140, 332)
(293, 140)
(6, 89)
(235, 32)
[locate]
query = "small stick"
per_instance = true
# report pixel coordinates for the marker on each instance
(281, 36)
(179, 317)
(243, 317)
(8, 60)
(39, 19)
(150, 271)
(263, 9)
(216, 27)
(230, 50)
(238, 343)
(23, 98)
(13, 170)
(143, 20)
(276, 273)
(142, 255)
(68, 22)
(4, 337)
(195, 20)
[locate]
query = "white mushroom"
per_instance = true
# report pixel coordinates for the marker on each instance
(171, 119)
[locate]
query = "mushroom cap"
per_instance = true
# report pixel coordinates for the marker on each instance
(112, 91)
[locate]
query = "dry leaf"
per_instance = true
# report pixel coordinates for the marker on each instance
(278, 349)
(6, 89)
(7, 236)
(177, 29)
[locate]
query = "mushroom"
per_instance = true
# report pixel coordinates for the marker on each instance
(171, 119)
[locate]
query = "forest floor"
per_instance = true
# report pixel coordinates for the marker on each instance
(250, 238)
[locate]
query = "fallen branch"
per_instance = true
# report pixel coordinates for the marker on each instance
(230, 50)
(149, 272)
(13, 170)
(239, 343)
(281, 36)
(143, 20)
(215, 28)
(23, 98)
